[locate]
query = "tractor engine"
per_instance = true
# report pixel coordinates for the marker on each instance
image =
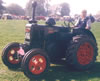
(35, 36)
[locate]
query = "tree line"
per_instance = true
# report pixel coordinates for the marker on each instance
(43, 8)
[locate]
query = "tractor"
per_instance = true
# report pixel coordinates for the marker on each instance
(46, 44)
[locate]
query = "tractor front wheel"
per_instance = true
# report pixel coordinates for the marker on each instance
(35, 63)
(9, 55)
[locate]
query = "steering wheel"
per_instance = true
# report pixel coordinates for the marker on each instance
(70, 22)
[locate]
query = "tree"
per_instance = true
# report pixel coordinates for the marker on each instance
(47, 7)
(42, 7)
(1, 7)
(15, 9)
(65, 9)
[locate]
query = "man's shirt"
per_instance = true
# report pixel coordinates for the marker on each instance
(83, 23)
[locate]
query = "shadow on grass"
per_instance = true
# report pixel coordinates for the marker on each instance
(16, 70)
(61, 73)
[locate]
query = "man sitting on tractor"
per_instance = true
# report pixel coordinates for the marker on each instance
(84, 21)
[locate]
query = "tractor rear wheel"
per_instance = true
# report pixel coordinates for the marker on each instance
(81, 53)
(35, 63)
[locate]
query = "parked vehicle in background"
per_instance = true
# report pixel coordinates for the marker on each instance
(40, 18)
(7, 16)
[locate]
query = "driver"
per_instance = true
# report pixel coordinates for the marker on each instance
(84, 21)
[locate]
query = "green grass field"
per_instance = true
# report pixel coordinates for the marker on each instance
(11, 31)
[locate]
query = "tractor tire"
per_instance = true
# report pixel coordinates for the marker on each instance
(84, 32)
(35, 64)
(9, 56)
(81, 53)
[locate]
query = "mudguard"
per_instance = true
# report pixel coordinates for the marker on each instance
(84, 32)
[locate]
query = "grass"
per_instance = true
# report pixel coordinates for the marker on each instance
(11, 31)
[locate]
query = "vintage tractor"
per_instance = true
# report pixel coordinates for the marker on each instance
(45, 44)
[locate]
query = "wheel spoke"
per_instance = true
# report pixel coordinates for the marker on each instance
(12, 57)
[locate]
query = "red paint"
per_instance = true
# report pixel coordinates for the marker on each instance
(10, 56)
(85, 53)
(27, 30)
(37, 64)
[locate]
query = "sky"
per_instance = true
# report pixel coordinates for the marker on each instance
(92, 6)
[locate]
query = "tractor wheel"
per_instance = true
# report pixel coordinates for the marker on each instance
(81, 53)
(9, 56)
(35, 63)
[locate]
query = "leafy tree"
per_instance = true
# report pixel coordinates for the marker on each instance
(42, 7)
(15, 9)
(1, 7)
(65, 9)
(47, 7)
